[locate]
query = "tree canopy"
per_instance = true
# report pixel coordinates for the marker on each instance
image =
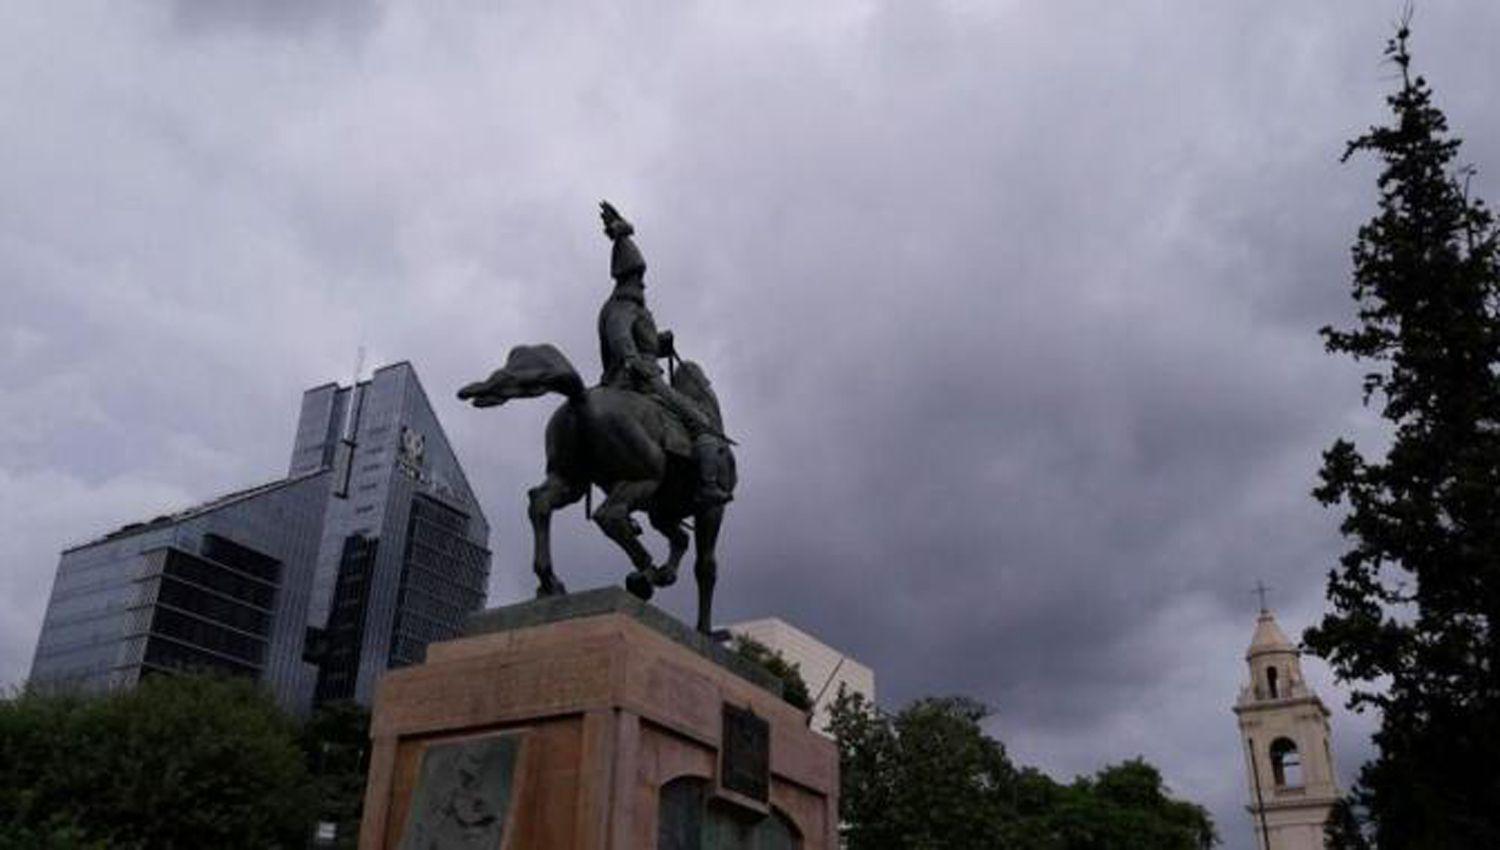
(177, 762)
(794, 687)
(337, 742)
(1416, 598)
(929, 778)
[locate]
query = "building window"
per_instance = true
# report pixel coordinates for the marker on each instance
(164, 654)
(1286, 764)
(1271, 682)
(443, 577)
(242, 558)
(212, 575)
(338, 671)
(213, 614)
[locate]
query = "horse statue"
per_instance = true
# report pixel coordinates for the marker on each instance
(649, 444)
(622, 442)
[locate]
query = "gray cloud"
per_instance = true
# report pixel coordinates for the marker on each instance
(276, 18)
(1012, 307)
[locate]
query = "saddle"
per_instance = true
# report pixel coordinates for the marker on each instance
(675, 438)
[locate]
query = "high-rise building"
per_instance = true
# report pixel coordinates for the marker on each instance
(403, 558)
(823, 668)
(1288, 759)
(372, 547)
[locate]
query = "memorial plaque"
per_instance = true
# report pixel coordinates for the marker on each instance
(745, 762)
(463, 794)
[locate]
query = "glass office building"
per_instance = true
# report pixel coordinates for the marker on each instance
(372, 547)
(403, 558)
(213, 586)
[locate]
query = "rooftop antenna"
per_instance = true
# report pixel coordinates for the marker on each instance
(359, 366)
(344, 460)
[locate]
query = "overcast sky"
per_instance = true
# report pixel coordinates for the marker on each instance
(1011, 306)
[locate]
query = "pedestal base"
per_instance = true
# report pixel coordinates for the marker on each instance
(588, 722)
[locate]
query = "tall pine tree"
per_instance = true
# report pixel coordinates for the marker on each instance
(1416, 598)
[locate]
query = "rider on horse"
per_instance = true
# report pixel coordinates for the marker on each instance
(629, 346)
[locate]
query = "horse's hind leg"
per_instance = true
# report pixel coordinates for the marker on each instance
(554, 493)
(706, 563)
(613, 517)
(677, 539)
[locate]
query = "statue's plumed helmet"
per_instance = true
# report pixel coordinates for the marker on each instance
(626, 260)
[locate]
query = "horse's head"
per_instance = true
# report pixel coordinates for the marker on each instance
(489, 392)
(529, 371)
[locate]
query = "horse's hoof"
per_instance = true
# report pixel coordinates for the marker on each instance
(550, 588)
(662, 577)
(638, 584)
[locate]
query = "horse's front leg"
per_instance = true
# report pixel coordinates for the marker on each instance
(613, 517)
(554, 493)
(677, 539)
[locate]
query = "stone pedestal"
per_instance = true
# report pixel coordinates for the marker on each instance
(587, 722)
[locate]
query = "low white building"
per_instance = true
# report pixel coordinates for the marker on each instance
(823, 667)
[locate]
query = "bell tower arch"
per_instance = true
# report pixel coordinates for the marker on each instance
(1285, 734)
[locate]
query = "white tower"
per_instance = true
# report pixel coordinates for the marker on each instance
(1288, 761)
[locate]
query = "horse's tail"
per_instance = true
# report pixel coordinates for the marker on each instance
(529, 371)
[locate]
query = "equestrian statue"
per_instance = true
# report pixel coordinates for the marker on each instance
(652, 443)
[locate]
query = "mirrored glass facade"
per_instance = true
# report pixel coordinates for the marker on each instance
(219, 586)
(407, 523)
(373, 547)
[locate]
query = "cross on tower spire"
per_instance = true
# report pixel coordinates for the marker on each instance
(1260, 590)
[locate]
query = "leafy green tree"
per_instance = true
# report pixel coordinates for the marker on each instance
(57, 833)
(1416, 598)
(1123, 807)
(1344, 830)
(177, 762)
(337, 742)
(794, 687)
(928, 778)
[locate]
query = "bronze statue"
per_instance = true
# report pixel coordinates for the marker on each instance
(651, 444)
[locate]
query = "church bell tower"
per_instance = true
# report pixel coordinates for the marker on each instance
(1284, 729)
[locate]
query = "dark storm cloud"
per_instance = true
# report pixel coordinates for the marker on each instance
(276, 17)
(1013, 308)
